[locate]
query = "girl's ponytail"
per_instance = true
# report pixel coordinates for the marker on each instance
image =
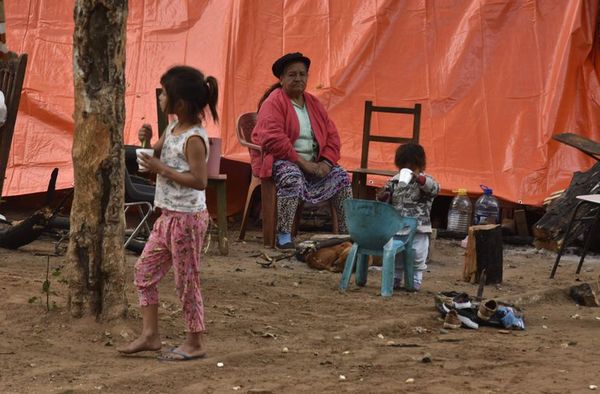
(213, 97)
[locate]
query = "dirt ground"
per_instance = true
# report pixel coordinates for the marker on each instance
(255, 313)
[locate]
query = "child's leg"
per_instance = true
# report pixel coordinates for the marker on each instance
(149, 269)
(398, 266)
(188, 236)
(421, 247)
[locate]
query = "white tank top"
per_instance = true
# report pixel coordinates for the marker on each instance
(169, 194)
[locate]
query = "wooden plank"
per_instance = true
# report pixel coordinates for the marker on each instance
(587, 146)
(373, 171)
(521, 222)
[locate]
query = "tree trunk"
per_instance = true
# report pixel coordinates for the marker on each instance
(96, 256)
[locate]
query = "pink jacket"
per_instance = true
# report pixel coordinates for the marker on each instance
(277, 128)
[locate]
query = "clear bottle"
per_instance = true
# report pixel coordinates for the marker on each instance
(459, 215)
(487, 208)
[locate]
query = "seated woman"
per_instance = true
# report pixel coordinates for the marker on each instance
(300, 147)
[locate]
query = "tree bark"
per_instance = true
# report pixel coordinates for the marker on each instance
(96, 255)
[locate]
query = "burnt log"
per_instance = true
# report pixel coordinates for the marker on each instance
(484, 254)
(549, 231)
(15, 235)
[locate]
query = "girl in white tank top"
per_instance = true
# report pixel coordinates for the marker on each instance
(179, 161)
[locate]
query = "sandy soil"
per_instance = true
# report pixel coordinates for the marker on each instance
(253, 313)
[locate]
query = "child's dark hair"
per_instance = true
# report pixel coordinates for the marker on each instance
(410, 154)
(189, 84)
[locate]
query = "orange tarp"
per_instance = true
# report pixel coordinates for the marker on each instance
(496, 78)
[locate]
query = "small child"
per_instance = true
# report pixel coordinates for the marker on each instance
(176, 240)
(412, 200)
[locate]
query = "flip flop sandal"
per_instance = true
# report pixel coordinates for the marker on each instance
(181, 356)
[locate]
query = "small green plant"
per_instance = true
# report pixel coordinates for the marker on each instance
(46, 285)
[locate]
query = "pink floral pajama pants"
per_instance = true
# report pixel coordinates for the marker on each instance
(176, 240)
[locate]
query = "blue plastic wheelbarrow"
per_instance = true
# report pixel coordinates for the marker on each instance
(372, 225)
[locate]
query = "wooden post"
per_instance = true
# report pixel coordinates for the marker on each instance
(96, 256)
(484, 252)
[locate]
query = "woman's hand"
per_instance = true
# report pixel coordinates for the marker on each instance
(151, 163)
(145, 135)
(308, 167)
(323, 169)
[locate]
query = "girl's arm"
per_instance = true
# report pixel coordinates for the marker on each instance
(428, 185)
(195, 153)
(158, 146)
(145, 135)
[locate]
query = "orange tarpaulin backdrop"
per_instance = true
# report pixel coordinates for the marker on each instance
(496, 78)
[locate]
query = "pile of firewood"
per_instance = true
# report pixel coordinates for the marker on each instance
(549, 231)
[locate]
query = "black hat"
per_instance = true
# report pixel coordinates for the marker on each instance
(283, 61)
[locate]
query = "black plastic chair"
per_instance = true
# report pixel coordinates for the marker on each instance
(141, 197)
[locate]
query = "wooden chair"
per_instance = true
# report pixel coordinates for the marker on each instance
(12, 73)
(245, 125)
(359, 175)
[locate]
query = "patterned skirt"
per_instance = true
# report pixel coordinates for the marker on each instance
(291, 182)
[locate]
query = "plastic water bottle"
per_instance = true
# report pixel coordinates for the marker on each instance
(487, 208)
(459, 215)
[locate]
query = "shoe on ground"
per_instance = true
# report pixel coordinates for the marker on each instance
(286, 246)
(443, 298)
(397, 283)
(452, 322)
(487, 309)
(468, 317)
(462, 301)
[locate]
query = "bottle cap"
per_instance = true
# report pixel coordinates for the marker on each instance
(486, 190)
(462, 192)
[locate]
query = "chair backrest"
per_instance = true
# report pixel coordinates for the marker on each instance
(134, 193)
(371, 223)
(12, 73)
(368, 137)
(245, 125)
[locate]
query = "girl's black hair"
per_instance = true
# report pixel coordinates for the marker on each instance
(196, 91)
(410, 154)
